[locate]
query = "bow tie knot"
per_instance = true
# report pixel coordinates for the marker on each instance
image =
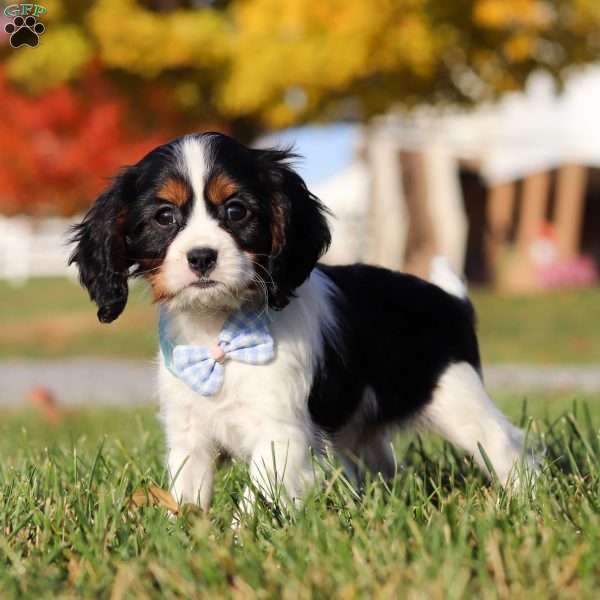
(245, 337)
(218, 353)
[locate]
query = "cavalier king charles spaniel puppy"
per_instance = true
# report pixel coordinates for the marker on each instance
(266, 355)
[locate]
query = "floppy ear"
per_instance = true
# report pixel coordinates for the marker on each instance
(100, 251)
(299, 230)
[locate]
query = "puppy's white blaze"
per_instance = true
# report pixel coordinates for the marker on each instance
(201, 229)
(194, 165)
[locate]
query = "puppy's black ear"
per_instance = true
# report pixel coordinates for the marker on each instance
(100, 251)
(299, 230)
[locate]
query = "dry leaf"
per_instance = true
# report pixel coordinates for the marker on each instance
(164, 498)
(126, 576)
(140, 498)
(155, 496)
(74, 569)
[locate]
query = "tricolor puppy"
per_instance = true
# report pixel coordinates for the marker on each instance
(265, 354)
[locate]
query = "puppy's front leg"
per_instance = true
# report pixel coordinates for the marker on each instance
(191, 449)
(280, 467)
(191, 474)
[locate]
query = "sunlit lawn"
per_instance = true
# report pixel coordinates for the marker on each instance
(439, 530)
(53, 318)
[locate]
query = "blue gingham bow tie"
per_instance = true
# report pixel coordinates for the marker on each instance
(245, 336)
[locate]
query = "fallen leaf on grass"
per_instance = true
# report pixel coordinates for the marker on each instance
(44, 400)
(155, 496)
(74, 568)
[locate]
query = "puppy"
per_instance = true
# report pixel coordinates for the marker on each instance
(265, 354)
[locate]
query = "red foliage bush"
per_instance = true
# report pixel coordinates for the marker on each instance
(58, 149)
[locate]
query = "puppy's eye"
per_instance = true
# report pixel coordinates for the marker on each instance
(235, 211)
(166, 216)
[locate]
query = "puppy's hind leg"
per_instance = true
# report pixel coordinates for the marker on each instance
(363, 446)
(376, 453)
(462, 412)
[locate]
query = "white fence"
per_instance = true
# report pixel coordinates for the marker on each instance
(34, 248)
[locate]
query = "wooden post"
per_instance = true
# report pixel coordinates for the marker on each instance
(500, 208)
(445, 203)
(421, 245)
(518, 274)
(388, 219)
(570, 198)
(533, 211)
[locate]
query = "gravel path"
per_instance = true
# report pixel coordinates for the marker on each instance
(122, 382)
(79, 381)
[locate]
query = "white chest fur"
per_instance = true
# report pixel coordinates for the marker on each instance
(256, 402)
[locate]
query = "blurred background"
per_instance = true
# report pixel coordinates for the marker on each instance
(469, 128)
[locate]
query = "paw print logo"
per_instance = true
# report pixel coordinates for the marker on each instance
(24, 32)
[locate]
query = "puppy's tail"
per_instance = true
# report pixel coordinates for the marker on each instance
(442, 275)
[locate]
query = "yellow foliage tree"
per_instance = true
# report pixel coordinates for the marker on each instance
(270, 63)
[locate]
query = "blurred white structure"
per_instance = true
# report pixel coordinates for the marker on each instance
(525, 132)
(417, 207)
(33, 248)
(346, 194)
(532, 153)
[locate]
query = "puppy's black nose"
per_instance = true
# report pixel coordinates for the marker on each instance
(202, 260)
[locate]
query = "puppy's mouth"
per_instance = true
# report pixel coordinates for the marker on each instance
(204, 283)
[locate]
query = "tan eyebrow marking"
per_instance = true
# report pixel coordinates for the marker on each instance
(220, 188)
(174, 190)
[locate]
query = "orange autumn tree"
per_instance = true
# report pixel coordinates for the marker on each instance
(59, 147)
(72, 117)
(111, 77)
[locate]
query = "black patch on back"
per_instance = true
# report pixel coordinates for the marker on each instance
(399, 334)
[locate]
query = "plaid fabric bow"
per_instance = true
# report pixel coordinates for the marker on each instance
(245, 336)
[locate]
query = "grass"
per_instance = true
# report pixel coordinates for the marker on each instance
(439, 530)
(49, 318)
(559, 327)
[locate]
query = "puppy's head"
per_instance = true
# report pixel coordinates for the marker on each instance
(208, 222)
